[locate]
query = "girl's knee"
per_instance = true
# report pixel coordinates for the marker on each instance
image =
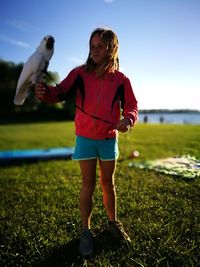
(88, 187)
(107, 184)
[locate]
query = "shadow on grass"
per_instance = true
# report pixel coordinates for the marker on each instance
(68, 255)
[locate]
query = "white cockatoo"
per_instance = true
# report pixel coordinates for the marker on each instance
(34, 68)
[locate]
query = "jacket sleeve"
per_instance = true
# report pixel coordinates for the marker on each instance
(130, 107)
(61, 91)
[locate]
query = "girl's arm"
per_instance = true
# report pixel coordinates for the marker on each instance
(129, 107)
(58, 93)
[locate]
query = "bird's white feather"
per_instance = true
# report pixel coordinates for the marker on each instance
(33, 70)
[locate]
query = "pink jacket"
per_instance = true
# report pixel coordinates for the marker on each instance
(98, 101)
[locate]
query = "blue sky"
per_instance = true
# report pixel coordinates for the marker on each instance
(159, 41)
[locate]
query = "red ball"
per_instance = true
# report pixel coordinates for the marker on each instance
(135, 154)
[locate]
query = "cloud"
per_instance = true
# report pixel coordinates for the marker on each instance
(20, 25)
(108, 1)
(13, 42)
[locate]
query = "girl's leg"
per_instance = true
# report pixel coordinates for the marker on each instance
(107, 171)
(88, 171)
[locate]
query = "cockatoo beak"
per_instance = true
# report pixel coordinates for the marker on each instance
(50, 43)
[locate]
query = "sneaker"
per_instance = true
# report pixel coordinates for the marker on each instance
(86, 243)
(116, 229)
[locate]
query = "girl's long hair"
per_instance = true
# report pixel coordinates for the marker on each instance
(111, 62)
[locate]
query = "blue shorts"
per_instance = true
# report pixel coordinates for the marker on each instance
(86, 148)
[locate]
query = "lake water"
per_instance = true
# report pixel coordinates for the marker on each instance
(171, 118)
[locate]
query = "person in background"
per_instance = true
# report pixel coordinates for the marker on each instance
(102, 92)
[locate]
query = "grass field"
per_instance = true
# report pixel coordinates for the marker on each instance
(39, 207)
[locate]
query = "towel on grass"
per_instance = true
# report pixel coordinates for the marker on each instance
(185, 166)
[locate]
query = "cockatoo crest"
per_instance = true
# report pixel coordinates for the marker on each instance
(34, 68)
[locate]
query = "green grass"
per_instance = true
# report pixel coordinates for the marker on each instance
(39, 208)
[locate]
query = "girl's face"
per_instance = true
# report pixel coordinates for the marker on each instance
(98, 49)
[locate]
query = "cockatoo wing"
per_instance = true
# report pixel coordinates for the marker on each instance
(31, 72)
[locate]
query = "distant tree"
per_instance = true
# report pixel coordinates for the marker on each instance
(52, 79)
(9, 75)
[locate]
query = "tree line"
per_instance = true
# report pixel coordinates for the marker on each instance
(32, 108)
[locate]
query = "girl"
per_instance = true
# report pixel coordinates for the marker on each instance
(101, 92)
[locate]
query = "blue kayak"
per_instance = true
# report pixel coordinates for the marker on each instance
(31, 155)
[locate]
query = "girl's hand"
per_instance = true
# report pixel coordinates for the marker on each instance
(40, 90)
(123, 125)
